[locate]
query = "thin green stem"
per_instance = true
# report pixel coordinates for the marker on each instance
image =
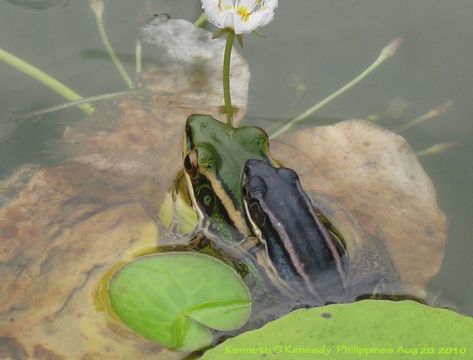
(432, 114)
(90, 99)
(97, 8)
(385, 54)
(201, 20)
(226, 77)
(44, 78)
(437, 149)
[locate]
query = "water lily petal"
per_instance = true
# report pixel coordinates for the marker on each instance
(215, 13)
(247, 5)
(260, 19)
(240, 26)
(250, 4)
(242, 16)
(227, 4)
(228, 20)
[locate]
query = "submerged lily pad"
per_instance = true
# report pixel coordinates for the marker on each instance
(366, 329)
(173, 298)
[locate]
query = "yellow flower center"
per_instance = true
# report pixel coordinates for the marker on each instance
(244, 13)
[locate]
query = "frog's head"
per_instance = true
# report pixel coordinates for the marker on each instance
(214, 157)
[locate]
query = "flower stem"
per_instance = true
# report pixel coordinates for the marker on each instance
(201, 20)
(226, 77)
(97, 8)
(44, 78)
(385, 54)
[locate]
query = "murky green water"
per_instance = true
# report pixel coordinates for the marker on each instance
(311, 45)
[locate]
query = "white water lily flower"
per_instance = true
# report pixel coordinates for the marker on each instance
(243, 16)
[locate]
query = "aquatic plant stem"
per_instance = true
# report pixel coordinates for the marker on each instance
(385, 54)
(437, 149)
(442, 109)
(226, 77)
(97, 8)
(90, 99)
(201, 20)
(44, 78)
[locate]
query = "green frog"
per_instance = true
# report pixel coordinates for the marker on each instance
(214, 156)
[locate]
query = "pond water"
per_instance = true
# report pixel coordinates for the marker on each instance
(309, 50)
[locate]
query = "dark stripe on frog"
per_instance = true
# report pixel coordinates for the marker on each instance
(236, 233)
(285, 246)
(277, 253)
(335, 250)
(316, 259)
(283, 268)
(232, 213)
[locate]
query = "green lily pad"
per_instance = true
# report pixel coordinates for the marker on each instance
(174, 298)
(367, 329)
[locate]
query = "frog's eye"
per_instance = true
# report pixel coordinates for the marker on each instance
(206, 198)
(190, 163)
(257, 215)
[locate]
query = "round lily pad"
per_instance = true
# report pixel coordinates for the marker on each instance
(174, 298)
(378, 330)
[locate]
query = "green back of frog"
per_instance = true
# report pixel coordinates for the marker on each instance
(214, 157)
